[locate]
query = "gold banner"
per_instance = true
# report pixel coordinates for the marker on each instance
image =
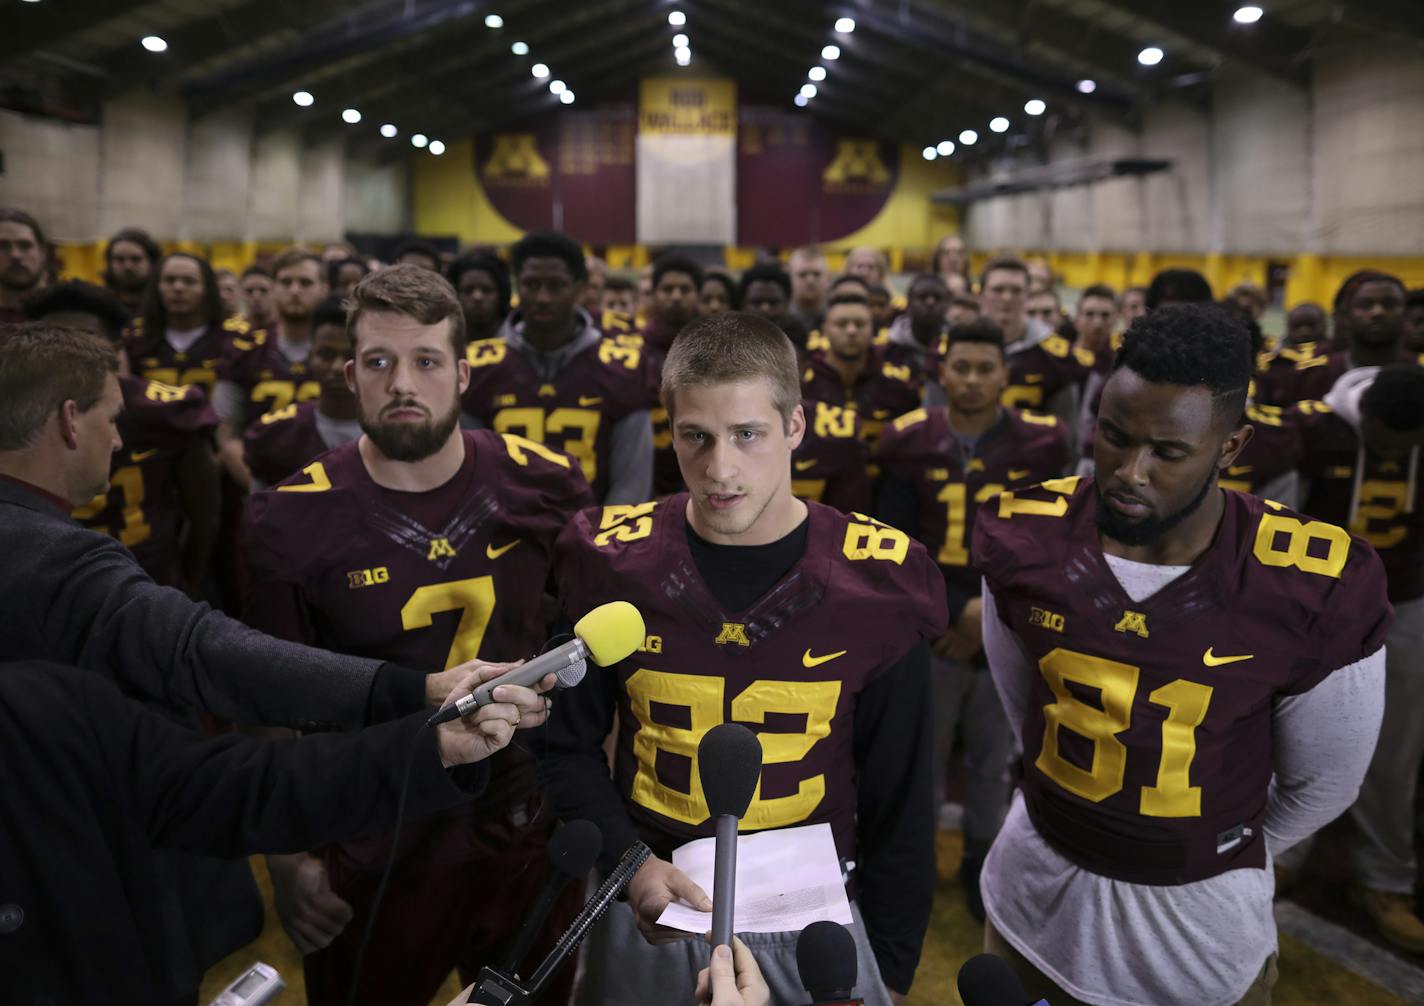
(695, 106)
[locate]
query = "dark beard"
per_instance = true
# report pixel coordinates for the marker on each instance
(1149, 530)
(411, 441)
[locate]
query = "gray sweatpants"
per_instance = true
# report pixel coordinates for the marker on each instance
(967, 706)
(1383, 857)
(620, 968)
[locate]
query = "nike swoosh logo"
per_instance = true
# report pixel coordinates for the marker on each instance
(143, 455)
(1238, 469)
(802, 466)
(590, 401)
(1212, 661)
(495, 553)
(809, 661)
(1019, 473)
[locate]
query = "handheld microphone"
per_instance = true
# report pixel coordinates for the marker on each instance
(571, 853)
(986, 980)
(826, 962)
(607, 634)
(729, 766)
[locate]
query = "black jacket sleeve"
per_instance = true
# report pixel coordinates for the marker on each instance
(895, 867)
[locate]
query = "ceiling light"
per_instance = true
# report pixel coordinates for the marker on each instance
(968, 137)
(494, 21)
(944, 148)
(351, 115)
(677, 18)
(1249, 14)
(817, 73)
(801, 101)
(845, 25)
(389, 131)
(831, 52)
(303, 98)
(1150, 56)
(998, 124)
(1034, 106)
(567, 97)
(539, 70)
(809, 90)
(929, 153)
(520, 48)
(418, 140)
(437, 148)
(557, 87)
(680, 41)
(682, 52)
(154, 44)
(1087, 86)
(684, 60)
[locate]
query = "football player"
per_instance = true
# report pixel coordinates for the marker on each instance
(1414, 322)
(719, 293)
(162, 502)
(1134, 305)
(342, 275)
(914, 337)
(482, 281)
(1361, 469)
(788, 617)
(427, 544)
(831, 464)
(554, 377)
(267, 370)
(1305, 326)
(810, 278)
(938, 467)
(256, 286)
(25, 261)
(283, 442)
(765, 290)
(130, 258)
(183, 331)
(620, 297)
(677, 283)
(1196, 677)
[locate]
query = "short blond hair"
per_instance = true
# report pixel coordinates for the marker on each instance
(413, 291)
(729, 347)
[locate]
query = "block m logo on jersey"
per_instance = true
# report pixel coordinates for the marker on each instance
(1132, 621)
(733, 632)
(440, 548)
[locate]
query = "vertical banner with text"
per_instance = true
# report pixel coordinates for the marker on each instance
(687, 161)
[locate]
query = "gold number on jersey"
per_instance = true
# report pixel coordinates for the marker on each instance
(619, 352)
(1381, 501)
(157, 391)
(517, 446)
(473, 598)
(319, 483)
(279, 415)
(486, 352)
(833, 421)
(662, 429)
(627, 522)
(954, 552)
(1186, 703)
(702, 696)
(1012, 506)
(193, 375)
(133, 529)
(539, 428)
(1299, 537)
(874, 540)
(1022, 396)
(276, 394)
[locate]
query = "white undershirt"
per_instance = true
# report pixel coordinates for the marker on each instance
(182, 339)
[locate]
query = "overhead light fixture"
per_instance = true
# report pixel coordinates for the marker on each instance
(677, 18)
(831, 52)
(684, 60)
(817, 73)
(944, 148)
(389, 131)
(494, 21)
(1150, 56)
(567, 98)
(539, 70)
(845, 25)
(303, 98)
(801, 100)
(682, 52)
(1249, 14)
(808, 90)
(999, 124)
(154, 44)
(437, 148)
(418, 140)
(680, 40)
(520, 48)
(1087, 86)
(929, 153)
(968, 137)
(351, 115)
(1035, 106)
(557, 87)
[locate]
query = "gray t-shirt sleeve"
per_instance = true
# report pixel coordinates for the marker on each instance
(630, 470)
(230, 403)
(1012, 671)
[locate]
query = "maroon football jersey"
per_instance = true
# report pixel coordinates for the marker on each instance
(282, 443)
(1147, 744)
(882, 392)
(789, 667)
(830, 464)
(575, 413)
(1273, 450)
(1301, 377)
(269, 380)
(159, 361)
(921, 450)
(1038, 373)
(817, 342)
(142, 508)
(1373, 503)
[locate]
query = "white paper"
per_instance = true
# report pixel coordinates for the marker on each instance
(786, 880)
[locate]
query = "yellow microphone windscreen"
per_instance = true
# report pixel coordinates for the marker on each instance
(611, 632)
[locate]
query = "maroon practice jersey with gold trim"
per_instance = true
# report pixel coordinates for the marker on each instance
(267, 378)
(282, 443)
(880, 393)
(829, 465)
(157, 360)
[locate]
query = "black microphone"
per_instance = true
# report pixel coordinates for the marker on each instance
(571, 852)
(729, 765)
(986, 980)
(826, 962)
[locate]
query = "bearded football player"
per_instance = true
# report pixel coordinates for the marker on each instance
(184, 330)
(429, 544)
(798, 621)
(1196, 676)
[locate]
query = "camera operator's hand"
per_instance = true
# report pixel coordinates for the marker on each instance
(477, 736)
(732, 978)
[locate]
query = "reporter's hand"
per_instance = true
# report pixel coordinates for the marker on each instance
(439, 686)
(657, 883)
(732, 978)
(309, 910)
(477, 736)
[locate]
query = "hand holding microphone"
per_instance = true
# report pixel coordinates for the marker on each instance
(729, 767)
(489, 727)
(732, 978)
